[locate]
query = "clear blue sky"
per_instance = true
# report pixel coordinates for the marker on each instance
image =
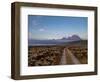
(56, 27)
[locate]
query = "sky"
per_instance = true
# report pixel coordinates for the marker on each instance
(56, 27)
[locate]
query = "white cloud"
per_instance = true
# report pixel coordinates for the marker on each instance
(30, 36)
(34, 23)
(41, 30)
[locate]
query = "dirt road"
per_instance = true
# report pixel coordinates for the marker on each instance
(68, 58)
(63, 58)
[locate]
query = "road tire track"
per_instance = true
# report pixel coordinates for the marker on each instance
(68, 58)
(63, 58)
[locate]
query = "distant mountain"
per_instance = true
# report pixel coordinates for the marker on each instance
(64, 40)
(72, 38)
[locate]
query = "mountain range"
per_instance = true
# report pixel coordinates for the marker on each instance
(73, 37)
(63, 40)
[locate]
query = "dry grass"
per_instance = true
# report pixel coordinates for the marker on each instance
(80, 52)
(44, 56)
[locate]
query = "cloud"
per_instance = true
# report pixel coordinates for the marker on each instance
(30, 35)
(35, 23)
(41, 30)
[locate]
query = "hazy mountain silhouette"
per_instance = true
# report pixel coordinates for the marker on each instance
(63, 40)
(73, 37)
